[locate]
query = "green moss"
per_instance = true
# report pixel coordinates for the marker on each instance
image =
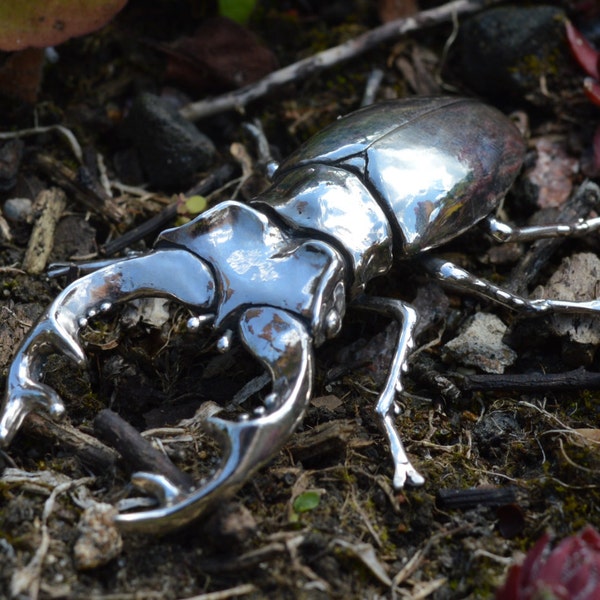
(539, 64)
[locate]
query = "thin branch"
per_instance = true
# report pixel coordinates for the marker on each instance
(136, 451)
(389, 32)
(577, 379)
(66, 133)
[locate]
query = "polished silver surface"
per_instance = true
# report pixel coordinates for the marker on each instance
(503, 232)
(460, 279)
(436, 166)
(257, 263)
(58, 328)
(325, 200)
(282, 344)
(392, 179)
(387, 408)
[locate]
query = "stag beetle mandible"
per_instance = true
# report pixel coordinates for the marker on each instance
(391, 180)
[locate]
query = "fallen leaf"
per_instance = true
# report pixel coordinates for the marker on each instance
(42, 23)
(21, 75)
(221, 55)
(589, 435)
(553, 172)
(366, 554)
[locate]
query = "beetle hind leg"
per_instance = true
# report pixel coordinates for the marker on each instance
(503, 232)
(456, 277)
(386, 409)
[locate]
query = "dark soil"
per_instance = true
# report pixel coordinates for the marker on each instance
(322, 520)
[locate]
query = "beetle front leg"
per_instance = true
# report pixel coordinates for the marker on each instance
(386, 409)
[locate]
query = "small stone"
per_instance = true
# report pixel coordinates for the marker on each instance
(506, 51)
(480, 345)
(99, 539)
(577, 279)
(330, 402)
(18, 210)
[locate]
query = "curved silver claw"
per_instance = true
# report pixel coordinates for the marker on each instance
(281, 342)
(58, 328)
(24, 393)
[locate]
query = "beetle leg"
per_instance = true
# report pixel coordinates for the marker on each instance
(458, 278)
(502, 232)
(282, 344)
(386, 409)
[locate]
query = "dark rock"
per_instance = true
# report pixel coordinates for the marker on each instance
(494, 432)
(172, 150)
(127, 164)
(505, 52)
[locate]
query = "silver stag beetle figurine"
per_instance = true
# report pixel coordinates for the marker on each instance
(392, 179)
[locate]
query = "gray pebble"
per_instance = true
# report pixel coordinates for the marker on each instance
(18, 210)
(480, 345)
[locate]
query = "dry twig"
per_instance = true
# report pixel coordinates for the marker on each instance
(386, 33)
(137, 452)
(50, 205)
(522, 382)
(64, 177)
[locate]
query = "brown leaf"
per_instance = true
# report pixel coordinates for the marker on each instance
(21, 75)
(42, 23)
(222, 55)
(589, 435)
(389, 10)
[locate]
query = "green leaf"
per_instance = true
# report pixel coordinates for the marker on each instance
(237, 10)
(306, 501)
(42, 23)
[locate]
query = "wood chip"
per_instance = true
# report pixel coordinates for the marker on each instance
(49, 205)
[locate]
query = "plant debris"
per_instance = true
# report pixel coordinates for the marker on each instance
(508, 438)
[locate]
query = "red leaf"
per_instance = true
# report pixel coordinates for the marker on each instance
(585, 54)
(591, 89)
(591, 537)
(21, 75)
(570, 571)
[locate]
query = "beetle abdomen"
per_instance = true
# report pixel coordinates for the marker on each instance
(435, 165)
